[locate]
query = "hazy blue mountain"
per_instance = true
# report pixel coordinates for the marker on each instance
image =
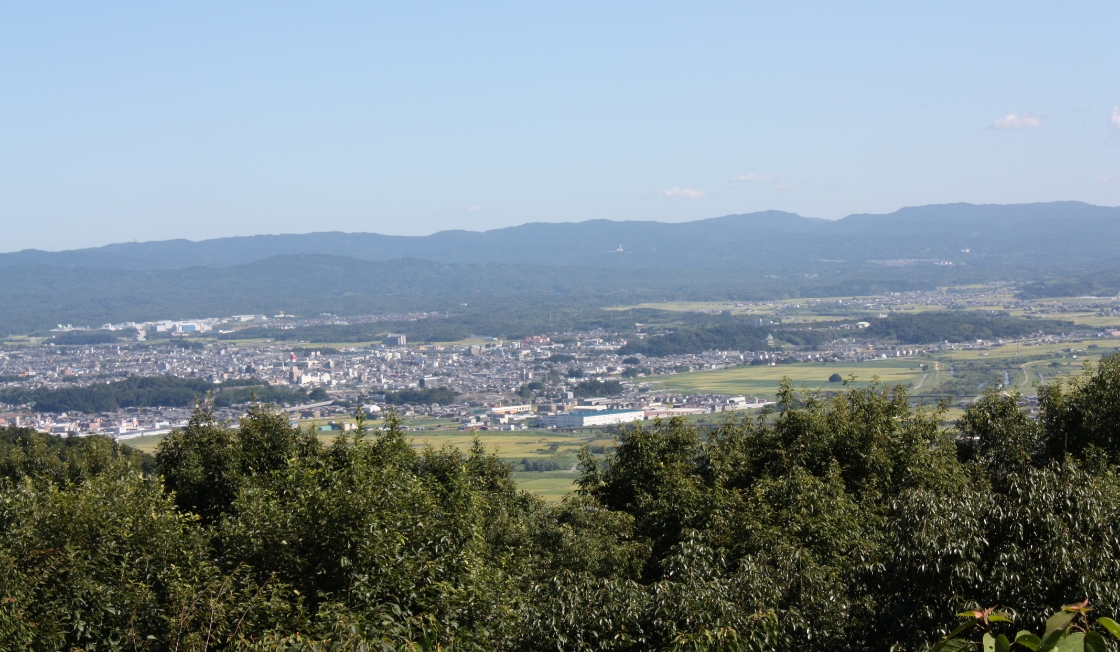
(36, 297)
(1057, 234)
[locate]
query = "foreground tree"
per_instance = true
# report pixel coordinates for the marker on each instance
(858, 522)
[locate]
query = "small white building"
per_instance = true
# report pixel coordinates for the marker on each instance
(511, 409)
(592, 418)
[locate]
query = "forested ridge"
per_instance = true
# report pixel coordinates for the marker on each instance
(856, 522)
(38, 297)
(727, 337)
(959, 326)
(154, 391)
(1103, 283)
(906, 328)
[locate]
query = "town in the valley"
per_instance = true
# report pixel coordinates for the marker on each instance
(549, 381)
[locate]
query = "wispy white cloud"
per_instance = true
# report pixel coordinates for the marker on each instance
(773, 180)
(1104, 177)
(686, 193)
(1114, 119)
(1012, 121)
(475, 209)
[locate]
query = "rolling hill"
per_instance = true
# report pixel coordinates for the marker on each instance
(1038, 236)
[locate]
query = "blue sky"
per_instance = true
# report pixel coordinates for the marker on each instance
(147, 121)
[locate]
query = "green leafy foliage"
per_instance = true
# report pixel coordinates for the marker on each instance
(25, 453)
(853, 522)
(1068, 630)
(1083, 413)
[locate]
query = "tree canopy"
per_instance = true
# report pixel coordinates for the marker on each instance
(726, 337)
(957, 326)
(855, 522)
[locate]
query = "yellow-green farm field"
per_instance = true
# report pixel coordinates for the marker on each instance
(763, 380)
(550, 485)
(855, 305)
(524, 443)
(146, 444)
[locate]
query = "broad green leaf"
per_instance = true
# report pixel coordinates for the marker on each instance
(1050, 641)
(1111, 625)
(989, 642)
(952, 645)
(999, 618)
(1075, 642)
(963, 627)
(1028, 640)
(1002, 644)
(1094, 642)
(1058, 622)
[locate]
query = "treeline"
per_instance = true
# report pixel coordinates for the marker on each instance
(508, 324)
(593, 388)
(64, 461)
(958, 326)
(154, 391)
(421, 396)
(84, 338)
(264, 393)
(538, 466)
(724, 337)
(912, 328)
(851, 523)
(1105, 283)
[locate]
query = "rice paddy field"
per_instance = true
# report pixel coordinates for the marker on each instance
(1020, 367)
(800, 311)
(762, 381)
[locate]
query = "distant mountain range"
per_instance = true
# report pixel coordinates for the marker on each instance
(1060, 247)
(37, 297)
(1066, 235)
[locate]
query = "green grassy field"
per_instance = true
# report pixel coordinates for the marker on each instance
(762, 381)
(146, 444)
(550, 485)
(796, 310)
